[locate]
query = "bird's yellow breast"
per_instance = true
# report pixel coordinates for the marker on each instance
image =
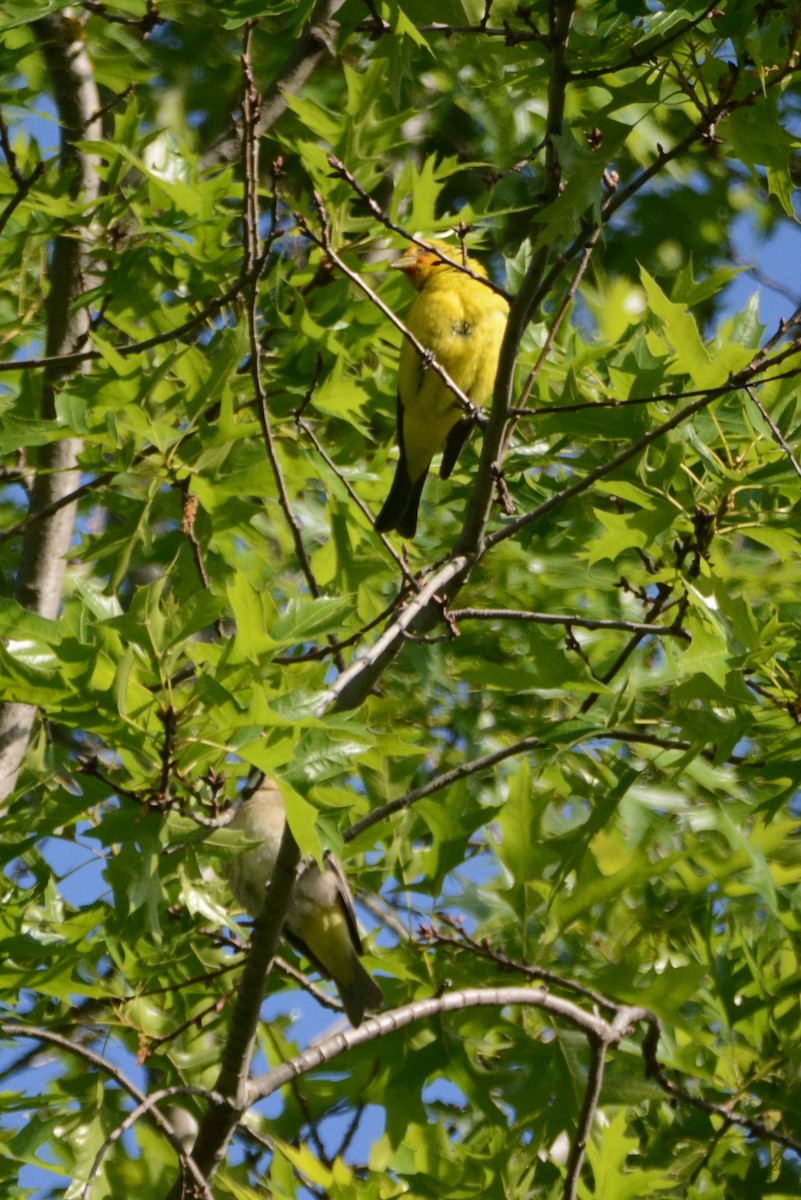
(461, 321)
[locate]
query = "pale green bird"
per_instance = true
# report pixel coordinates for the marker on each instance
(320, 920)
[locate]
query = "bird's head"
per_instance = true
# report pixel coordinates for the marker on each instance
(418, 263)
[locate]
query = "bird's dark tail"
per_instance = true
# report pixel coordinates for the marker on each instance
(400, 507)
(455, 442)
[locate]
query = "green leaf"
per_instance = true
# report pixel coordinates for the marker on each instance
(304, 620)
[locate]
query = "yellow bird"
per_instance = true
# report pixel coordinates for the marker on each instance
(461, 321)
(320, 920)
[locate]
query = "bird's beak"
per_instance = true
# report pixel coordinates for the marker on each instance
(406, 262)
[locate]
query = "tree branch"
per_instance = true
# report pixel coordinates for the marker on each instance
(555, 501)
(313, 47)
(323, 240)
(45, 544)
(774, 428)
(643, 628)
(589, 1107)
(254, 257)
(379, 1026)
(418, 615)
(232, 1087)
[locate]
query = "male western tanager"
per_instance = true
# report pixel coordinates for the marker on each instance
(461, 321)
(320, 921)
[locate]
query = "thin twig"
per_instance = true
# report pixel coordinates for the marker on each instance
(643, 628)
(774, 428)
(483, 950)
(324, 242)
(355, 497)
(352, 1128)
(145, 24)
(22, 191)
(483, 763)
(561, 313)
(656, 608)
(146, 1107)
(703, 130)
(82, 356)
(655, 1070)
(301, 1102)
(55, 506)
(550, 410)
(253, 256)
(380, 215)
(316, 42)
(637, 57)
(321, 652)
(631, 451)
(472, 541)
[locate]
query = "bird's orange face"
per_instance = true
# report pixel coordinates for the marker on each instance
(418, 262)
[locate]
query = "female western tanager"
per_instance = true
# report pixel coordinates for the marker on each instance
(320, 920)
(461, 321)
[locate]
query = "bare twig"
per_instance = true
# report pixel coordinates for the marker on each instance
(48, 510)
(380, 215)
(529, 296)
(754, 1126)
(774, 428)
(323, 240)
(559, 317)
(484, 950)
(253, 256)
(354, 496)
(316, 43)
(648, 54)
(232, 1087)
(147, 1107)
(737, 381)
(703, 130)
(145, 24)
(643, 628)
(549, 410)
(24, 183)
(474, 766)
(658, 606)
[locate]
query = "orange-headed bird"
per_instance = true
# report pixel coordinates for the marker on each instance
(461, 321)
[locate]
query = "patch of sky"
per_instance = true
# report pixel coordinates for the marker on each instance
(78, 868)
(772, 270)
(441, 1091)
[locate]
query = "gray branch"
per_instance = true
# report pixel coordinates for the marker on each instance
(608, 1033)
(316, 44)
(46, 543)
